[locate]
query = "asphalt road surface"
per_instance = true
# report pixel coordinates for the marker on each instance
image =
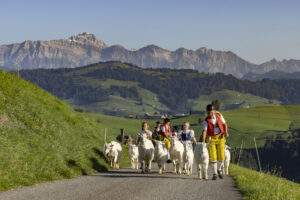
(130, 184)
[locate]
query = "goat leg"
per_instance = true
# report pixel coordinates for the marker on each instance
(199, 171)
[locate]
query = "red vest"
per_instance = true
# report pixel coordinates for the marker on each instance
(167, 130)
(211, 127)
(173, 133)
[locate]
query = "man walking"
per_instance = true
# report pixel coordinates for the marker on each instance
(214, 132)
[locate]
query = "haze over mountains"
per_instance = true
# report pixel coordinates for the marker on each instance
(86, 48)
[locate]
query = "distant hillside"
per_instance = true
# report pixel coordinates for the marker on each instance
(272, 75)
(108, 85)
(86, 49)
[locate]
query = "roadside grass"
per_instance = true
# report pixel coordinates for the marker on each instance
(44, 139)
(263, 186)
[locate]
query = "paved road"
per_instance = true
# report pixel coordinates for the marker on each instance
(129, 184)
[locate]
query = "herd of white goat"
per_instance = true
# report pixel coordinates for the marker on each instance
(182, 155)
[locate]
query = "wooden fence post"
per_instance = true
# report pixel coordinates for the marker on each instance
(122, 135)
(105, 135)
(238, 163)
(257, 155)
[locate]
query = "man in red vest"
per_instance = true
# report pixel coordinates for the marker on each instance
(214, 133)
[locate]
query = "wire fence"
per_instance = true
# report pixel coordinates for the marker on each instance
(277, 139)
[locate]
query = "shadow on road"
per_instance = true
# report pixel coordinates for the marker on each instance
(141, 176)
(138, 174)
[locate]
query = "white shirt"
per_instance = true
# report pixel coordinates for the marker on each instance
(147, 133)
(214, 121)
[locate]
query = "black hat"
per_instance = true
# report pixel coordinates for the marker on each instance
(166, 120)
(210, 107)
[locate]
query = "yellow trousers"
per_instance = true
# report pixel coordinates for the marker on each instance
(166, 140)
(216, 147)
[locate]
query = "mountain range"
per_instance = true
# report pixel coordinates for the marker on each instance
(86, 48)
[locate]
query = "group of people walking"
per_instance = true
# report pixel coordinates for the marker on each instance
(214, 132)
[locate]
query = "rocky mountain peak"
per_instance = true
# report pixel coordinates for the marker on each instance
(202, 50)
(153, 49)
(87, 37)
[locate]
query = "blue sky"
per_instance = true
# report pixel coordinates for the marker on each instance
(256, 30)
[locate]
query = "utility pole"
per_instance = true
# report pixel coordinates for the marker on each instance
(257, 155)
(238, 163)
(122, 135)
(105, 135)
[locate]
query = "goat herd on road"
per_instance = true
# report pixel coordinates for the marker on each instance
(183, 154)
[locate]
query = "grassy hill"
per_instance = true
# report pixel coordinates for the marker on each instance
(43, 139)
(119, 106)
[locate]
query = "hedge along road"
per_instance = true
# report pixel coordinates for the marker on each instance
(130, 184)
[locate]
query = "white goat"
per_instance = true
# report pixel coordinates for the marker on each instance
(202, 159)
(134, 156)
(146, 153)
(176, 154)
(160, 155)
(188, 158)
(113, 151)
(227, 160)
